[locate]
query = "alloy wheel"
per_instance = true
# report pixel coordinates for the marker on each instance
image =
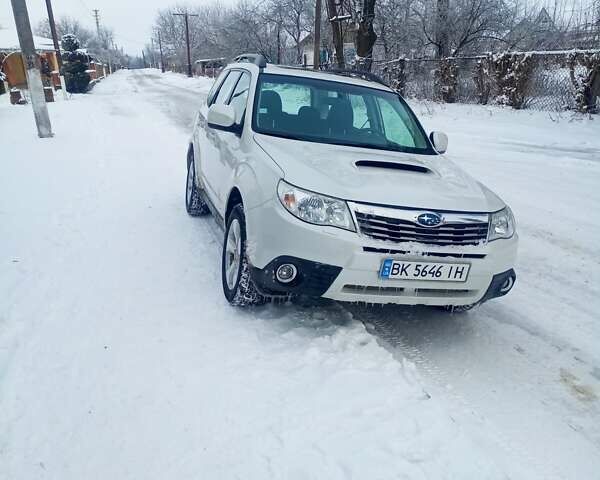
(233, 253)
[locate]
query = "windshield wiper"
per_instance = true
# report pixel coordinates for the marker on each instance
(388, 144)
(395, 145)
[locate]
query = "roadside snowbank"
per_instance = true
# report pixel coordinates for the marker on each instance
(200, 84)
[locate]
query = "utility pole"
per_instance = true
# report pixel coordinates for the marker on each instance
(32, 68)
(97, 18)
(56, 47)
(187, 39)
(53, 32)
(317, 36)
(153, 53)
(162, 62)
(144, 59)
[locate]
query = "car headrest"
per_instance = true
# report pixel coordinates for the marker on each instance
(308, 113)
(341, 115)
(270, 100)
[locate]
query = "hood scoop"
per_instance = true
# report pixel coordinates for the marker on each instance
(407, 167)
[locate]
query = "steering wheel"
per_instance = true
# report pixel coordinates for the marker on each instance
(371, 131)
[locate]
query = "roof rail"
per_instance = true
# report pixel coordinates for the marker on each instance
(371, 77)
(256, 58)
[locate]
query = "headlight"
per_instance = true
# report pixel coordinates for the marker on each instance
(314, 208)
(502, 225)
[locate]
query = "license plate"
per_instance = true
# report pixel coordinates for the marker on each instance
(442, 272)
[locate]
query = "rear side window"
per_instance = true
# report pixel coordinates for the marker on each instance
(215, 88)
(240, 97)
(227, 87)
(361, 116)
(293, 96)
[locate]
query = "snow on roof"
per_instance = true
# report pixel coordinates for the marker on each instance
(295, 71)
(306, 37)
(10, 41)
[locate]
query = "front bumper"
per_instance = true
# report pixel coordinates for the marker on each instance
(344, 266)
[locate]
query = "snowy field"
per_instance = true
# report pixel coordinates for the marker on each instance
(120, 358)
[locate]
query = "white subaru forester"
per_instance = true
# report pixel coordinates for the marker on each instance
(326, 185)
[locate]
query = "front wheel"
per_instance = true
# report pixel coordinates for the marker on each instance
(235, 271)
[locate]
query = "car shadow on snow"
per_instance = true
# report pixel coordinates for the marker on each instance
(416, 327)
(315, 318)
(403, 327)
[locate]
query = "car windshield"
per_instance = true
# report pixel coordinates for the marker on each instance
(336, 113)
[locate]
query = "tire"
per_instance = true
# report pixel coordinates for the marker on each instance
(194, 204)
(238, 287)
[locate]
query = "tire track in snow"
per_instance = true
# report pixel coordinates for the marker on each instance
(437, 383)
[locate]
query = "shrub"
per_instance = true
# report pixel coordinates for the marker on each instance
(512, 72)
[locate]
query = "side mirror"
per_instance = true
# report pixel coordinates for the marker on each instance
(440, 141)
(222, 117)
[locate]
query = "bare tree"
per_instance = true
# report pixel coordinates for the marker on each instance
(101, 46)
(381, 29)
(460, 26)
(297, 22)
(365, 35)
(275, 15)
(66, 25)
(441, 28)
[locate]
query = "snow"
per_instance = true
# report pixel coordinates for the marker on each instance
(9, 41)
(546, 166)
(199, 84)
(120, 358)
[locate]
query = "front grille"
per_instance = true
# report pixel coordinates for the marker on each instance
(372, 290)
(403, 230)
(433, 292)
(393, 251)
(407, 292)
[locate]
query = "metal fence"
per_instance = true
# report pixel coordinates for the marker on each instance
(548, 85)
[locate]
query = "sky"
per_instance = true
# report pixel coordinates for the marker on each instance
(131, 20)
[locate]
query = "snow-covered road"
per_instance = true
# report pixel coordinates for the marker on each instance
(119, 357)
(528, 366)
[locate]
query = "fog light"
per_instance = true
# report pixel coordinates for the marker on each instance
(507, 285)
(286, 273)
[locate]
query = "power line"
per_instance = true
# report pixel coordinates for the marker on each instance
(84, 6)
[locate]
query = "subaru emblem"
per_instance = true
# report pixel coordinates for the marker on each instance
(429, 219)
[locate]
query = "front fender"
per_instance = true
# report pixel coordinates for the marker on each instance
(256, 180)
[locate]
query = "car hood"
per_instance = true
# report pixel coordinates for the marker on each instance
(364, 175)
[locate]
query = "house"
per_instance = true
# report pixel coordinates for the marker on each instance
(11, 61)
(539, 33)
(326, 53)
